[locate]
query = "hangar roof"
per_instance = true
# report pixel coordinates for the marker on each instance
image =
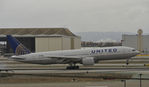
(36, 31)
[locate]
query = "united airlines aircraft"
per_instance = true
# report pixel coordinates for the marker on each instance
(88, 56)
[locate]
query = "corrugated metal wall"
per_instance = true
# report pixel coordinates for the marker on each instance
(146, 43)
(48, 44)
(131, 41)
(66, 43)
(56, 43)
(77, 43)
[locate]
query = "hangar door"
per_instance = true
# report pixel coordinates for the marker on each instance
(56, 43)
(48, 44)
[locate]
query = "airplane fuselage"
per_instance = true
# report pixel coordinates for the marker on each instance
(76, 56)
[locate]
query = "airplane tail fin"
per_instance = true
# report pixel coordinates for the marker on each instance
(17, 47)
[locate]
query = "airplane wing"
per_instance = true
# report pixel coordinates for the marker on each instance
(66, 59)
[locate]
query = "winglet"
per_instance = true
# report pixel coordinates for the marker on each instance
(17, 47)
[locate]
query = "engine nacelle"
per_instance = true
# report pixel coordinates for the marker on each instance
(88, 61)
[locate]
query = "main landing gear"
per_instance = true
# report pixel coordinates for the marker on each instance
(72, 66)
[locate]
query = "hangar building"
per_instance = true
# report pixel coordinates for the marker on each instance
(132, 41)
(41, 39)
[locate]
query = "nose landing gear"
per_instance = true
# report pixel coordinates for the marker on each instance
(127, 61)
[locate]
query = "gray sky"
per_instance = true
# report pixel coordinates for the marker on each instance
(77, 15)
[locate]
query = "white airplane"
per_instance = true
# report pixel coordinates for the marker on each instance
(88, 56)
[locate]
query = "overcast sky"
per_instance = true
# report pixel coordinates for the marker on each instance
(77, 15)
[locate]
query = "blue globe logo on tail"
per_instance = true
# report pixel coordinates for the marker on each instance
(17, 47)
(21, 50)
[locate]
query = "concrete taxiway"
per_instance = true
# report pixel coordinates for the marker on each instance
(103, 74)
(108, 83)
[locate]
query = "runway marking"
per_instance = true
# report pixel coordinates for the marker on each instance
(82, 69)
(143, 55)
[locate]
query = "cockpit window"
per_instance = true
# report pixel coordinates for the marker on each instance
(133, 50)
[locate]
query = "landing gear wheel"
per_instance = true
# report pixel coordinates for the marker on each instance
(72, 67)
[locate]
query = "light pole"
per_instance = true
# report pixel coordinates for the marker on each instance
(124, 82)
(140, 80)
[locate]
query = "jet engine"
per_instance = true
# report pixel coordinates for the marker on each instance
(88, 61)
